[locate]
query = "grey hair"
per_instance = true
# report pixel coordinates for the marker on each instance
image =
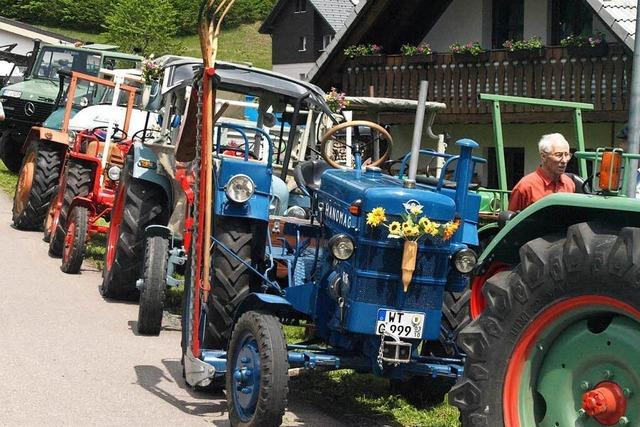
(545, 145)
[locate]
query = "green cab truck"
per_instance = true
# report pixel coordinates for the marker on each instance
(30, 102)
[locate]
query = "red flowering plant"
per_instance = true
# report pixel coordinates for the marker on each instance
(336, 100)
(355, 51)
(150, 70)
(473, 48)
(534, 42)
(410, 50)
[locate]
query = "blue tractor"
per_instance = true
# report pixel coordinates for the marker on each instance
(367, 270)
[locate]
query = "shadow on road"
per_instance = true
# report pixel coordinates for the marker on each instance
(154, 380)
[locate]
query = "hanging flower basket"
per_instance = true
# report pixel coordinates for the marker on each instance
(369, 59)
(525, 54)
(469, 57)
(587, 51)
(419, 59)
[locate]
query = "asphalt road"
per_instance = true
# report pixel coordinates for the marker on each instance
(69, 357)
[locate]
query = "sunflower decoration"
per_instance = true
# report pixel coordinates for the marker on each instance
(414, 224)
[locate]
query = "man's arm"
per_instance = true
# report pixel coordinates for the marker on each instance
(518, 199)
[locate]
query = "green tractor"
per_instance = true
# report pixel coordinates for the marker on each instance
(555, 307)
(30, 102)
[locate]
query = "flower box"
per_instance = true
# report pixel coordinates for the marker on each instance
(418, 59)
(525, 54)
(369, 59)
(469, 57)
(587, 51)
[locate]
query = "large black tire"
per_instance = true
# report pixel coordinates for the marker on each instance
(231, 279)
(270, 385)
(75, 240)
(144, 204)
(36, 185)
(10, 151)
(77, 183)
(455, 316)
(586, 279)
(152, 295)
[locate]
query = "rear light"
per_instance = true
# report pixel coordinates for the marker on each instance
(609, 171)
(356, 208)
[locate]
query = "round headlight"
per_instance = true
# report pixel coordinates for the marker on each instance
(71, 137)
(465, 260)
(296, 212)
(240, 188)
(341, 246)
(114, 173)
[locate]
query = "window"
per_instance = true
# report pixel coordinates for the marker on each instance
(570, 17)
(514, 165)
(325, 41)
(302, 44)
(508, 21)
(301, 6)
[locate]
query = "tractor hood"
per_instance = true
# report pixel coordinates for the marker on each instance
(38, 90)
(374, 190)
(99, 115)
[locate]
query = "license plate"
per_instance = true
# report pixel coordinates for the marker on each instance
(403, 324)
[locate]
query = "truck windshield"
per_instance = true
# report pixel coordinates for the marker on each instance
(52, 60)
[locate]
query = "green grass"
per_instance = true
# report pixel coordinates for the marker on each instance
(242, 44)
(8, 180)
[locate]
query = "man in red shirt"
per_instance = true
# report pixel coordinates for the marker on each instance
(548, 178)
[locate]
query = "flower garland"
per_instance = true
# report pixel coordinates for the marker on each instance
(413, 225)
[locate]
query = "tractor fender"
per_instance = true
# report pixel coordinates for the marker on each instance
(53, 136)
(158, 230)
(273, 304)
(146, 167)
(554, 214)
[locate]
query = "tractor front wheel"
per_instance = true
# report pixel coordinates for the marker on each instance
(557, 342)
(257, 373)
(75, 240)
(37, 182)
(76, 182)
(138, 205)
(152, 294)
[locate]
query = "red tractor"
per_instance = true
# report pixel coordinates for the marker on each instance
(87, 187)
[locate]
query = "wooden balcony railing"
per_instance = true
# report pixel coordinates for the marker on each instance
(603, 80)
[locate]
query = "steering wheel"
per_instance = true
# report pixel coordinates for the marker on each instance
(118, 135)
(147, 134)
(332, 146)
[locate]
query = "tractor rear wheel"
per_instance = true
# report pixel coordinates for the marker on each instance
(75, 183)
(75, 240)
(557, 342)
(138, 205)
(154, 286)
(257, 373)
(37, 183)
(231, 278)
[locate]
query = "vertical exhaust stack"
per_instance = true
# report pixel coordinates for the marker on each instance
(410, 182)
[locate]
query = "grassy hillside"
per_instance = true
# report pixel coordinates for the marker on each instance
(240, 44)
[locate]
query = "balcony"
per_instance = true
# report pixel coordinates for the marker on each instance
(604, 81)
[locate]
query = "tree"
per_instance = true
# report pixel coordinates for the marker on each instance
(143, 27)
(187, 19)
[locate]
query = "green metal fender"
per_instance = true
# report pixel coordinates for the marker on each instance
(553, 214)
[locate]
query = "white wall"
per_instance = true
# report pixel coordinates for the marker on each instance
(535, 19)
(294, 70)
(461, 22)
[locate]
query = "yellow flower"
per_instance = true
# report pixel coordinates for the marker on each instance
(416, 210)
(450, 228)
(407, 224)
(376, 217)
(394, 228)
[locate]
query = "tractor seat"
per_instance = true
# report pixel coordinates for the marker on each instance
(577, 180)
(307, 175)
(433, 181)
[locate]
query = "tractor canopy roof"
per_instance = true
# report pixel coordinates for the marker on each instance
(252, 81)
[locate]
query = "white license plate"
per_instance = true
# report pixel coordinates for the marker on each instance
(403, 324)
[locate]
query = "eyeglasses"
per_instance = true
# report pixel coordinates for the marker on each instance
(560, 156)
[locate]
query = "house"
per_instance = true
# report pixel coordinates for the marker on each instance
(301, 30)
(17, 38)
(598, 76)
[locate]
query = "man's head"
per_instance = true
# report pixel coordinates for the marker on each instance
(554, 154)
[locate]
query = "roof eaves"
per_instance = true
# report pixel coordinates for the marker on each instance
(267, 25)
(613, 22)
(36, 30)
